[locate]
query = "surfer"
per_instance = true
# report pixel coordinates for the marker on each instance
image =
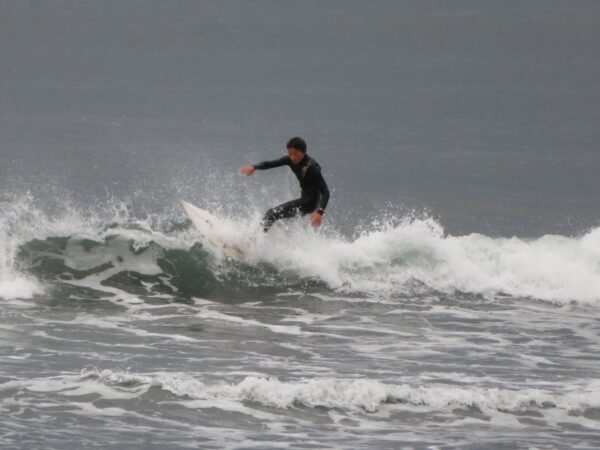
(315, 193)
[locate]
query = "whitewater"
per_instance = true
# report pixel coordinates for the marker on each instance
(398, 336)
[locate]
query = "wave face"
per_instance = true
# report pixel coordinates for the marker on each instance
(398, 258)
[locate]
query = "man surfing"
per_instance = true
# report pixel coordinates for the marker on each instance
(315, 193)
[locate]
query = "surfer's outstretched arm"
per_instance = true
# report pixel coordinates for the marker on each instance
(284, 161)
(264, 165)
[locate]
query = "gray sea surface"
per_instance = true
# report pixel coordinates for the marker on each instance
(450, 299)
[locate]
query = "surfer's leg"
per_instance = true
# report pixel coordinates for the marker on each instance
(283, 211)
(308, 205)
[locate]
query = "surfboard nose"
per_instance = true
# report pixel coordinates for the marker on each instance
(206, 224)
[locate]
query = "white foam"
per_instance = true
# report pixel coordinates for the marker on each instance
(390, 260)
(369, 395)
(14, 285)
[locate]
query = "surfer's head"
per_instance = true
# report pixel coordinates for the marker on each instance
(296, 148)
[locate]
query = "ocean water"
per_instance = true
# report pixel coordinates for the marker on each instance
(449, 301)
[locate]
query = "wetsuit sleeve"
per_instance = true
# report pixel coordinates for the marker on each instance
(285, 161)
(321, 186)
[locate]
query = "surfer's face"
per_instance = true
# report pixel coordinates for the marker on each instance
(295, 155)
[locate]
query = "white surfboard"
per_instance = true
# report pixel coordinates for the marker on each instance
(206, 223)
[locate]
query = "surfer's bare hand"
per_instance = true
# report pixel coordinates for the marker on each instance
(315, 219)
(247, 170)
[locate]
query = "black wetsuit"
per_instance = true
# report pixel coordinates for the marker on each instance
(315, 193)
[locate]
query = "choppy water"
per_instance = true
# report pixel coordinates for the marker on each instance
(131, 333)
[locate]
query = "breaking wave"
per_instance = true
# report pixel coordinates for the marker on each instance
(331, 393)
(166, 256)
